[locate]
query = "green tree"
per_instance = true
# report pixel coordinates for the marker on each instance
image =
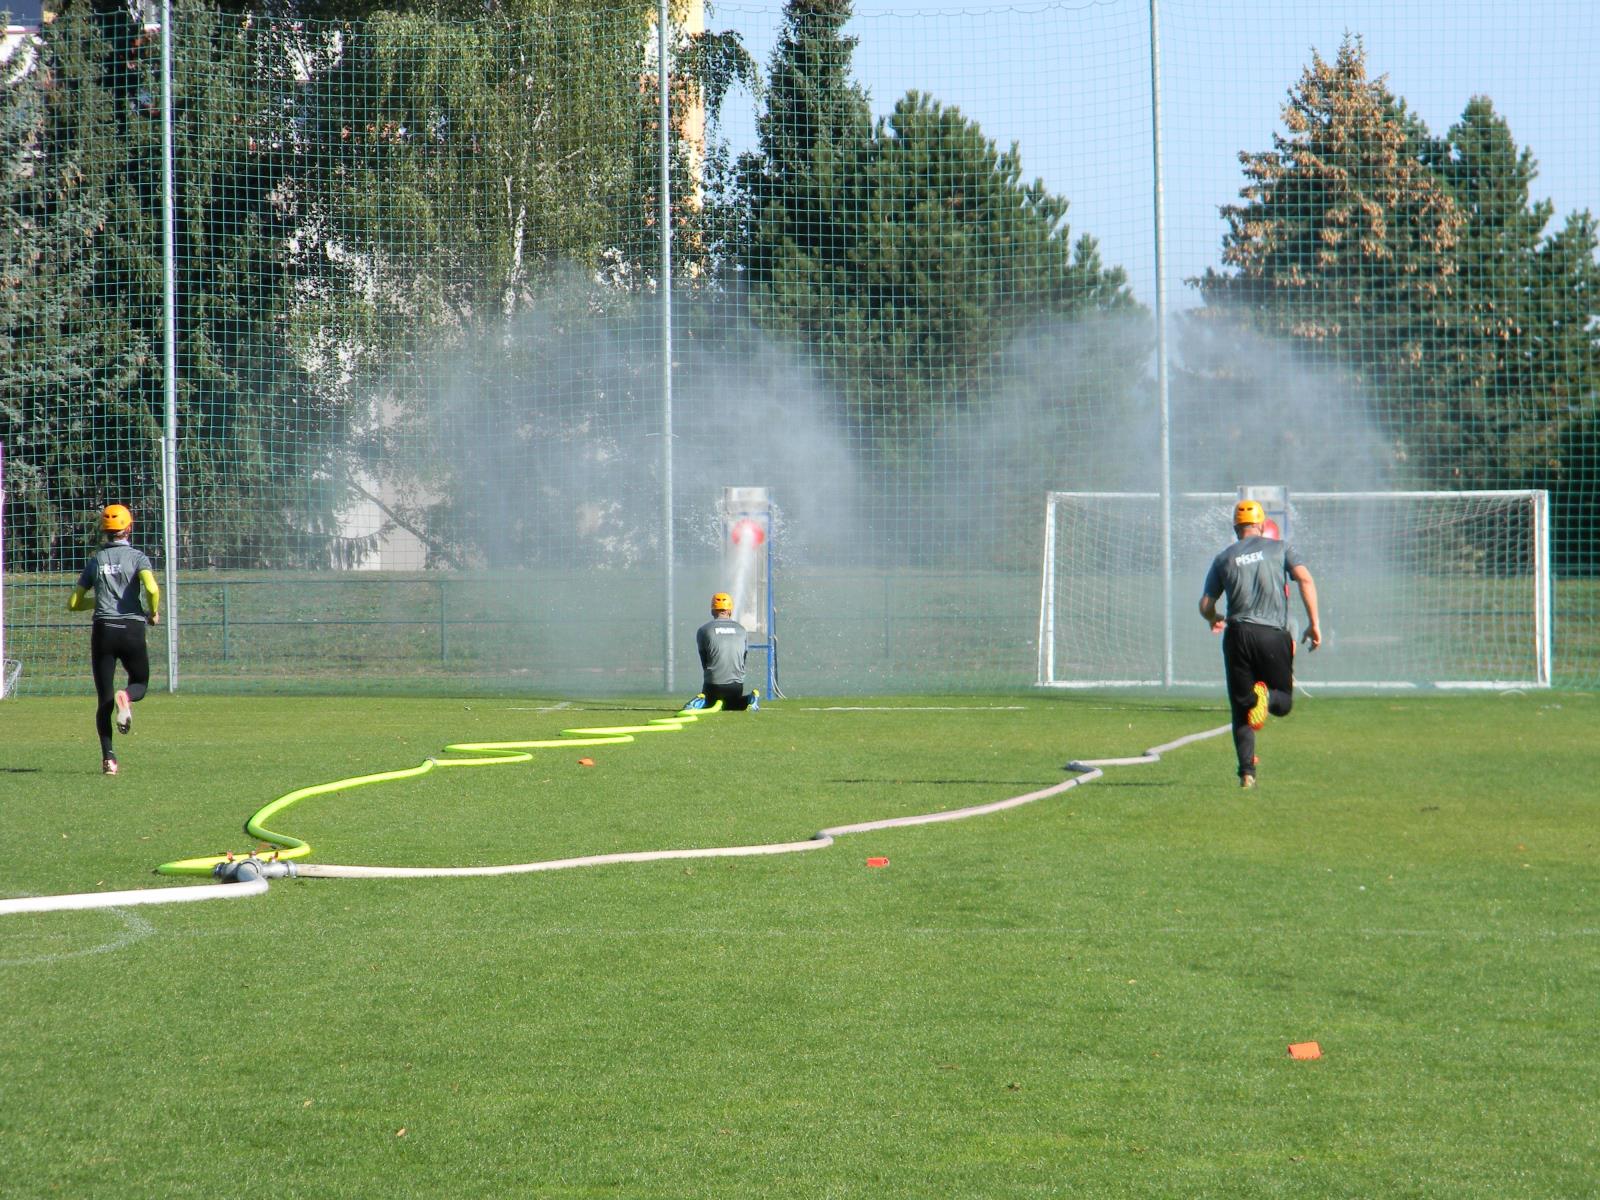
(1419, 268)
(1537, 296)
(42, 267)
(490, 189)
(815, 118)
(254, 435)
(259, 437)
(1346, 244)
(464, 162)
(1529, 297)
(72, 415)
(905, 256)
(1563, 363)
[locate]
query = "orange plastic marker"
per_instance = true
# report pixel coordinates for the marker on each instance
(1304, 1050)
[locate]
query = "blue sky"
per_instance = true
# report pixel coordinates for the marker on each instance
(1068, 82)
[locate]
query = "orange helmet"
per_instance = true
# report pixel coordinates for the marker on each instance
(115, 518)
(1248, 512)
(721, 603)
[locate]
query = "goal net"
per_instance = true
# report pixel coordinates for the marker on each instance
(1443, 589)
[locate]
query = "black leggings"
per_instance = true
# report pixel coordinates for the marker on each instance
(732, 695)
(1252, 653)
(114, 642)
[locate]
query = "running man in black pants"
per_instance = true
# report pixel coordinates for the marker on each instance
(1257, 648)
(110, 583)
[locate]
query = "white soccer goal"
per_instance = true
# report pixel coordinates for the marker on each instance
(1417, 589)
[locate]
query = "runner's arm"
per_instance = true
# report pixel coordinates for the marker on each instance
(147, 580)
(1308, 597)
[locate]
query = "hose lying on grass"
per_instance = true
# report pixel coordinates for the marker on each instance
(287, 848)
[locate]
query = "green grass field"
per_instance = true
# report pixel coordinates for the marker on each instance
(1087, 996)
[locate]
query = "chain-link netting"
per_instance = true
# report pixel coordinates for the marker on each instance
(424, 432)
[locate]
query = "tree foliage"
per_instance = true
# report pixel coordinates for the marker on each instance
(1345, 242)
(1419, 269)
(1538, 292)
(349, 193)
(492, 188)
(904, 254)
(88, 381)
(74, 369)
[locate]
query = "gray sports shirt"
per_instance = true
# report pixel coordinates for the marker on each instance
(1254, 575)
(113, 575)
(722, 649)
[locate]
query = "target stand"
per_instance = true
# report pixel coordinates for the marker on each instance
(746, 518)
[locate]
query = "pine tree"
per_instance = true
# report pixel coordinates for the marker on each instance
(44, 234)
(904, 256)
(1539, 293)
(815, 118)
(1346, 244)
(71, 414)
(1562, 365)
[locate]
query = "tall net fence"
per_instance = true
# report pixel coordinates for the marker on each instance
(427, 431)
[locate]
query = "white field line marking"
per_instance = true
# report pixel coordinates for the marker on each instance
(882, 708)
(134, 928)
(1091, 768)
(1116, 932)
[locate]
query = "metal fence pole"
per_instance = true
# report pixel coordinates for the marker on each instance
(169, 271)
(444, 628)
(663, 65)
(1159, 219)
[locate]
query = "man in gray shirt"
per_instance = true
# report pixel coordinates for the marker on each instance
(721, 642)
(111, 583)
(1257, 648)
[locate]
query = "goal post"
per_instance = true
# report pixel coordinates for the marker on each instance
(1418, 588)
(5, 663)
(10, 668)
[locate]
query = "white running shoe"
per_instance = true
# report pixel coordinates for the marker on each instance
(124, 713)
(108, 766)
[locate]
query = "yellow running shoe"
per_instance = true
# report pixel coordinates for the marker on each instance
(1257, 716)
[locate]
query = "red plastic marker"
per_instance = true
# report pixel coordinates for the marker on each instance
(877, 862)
